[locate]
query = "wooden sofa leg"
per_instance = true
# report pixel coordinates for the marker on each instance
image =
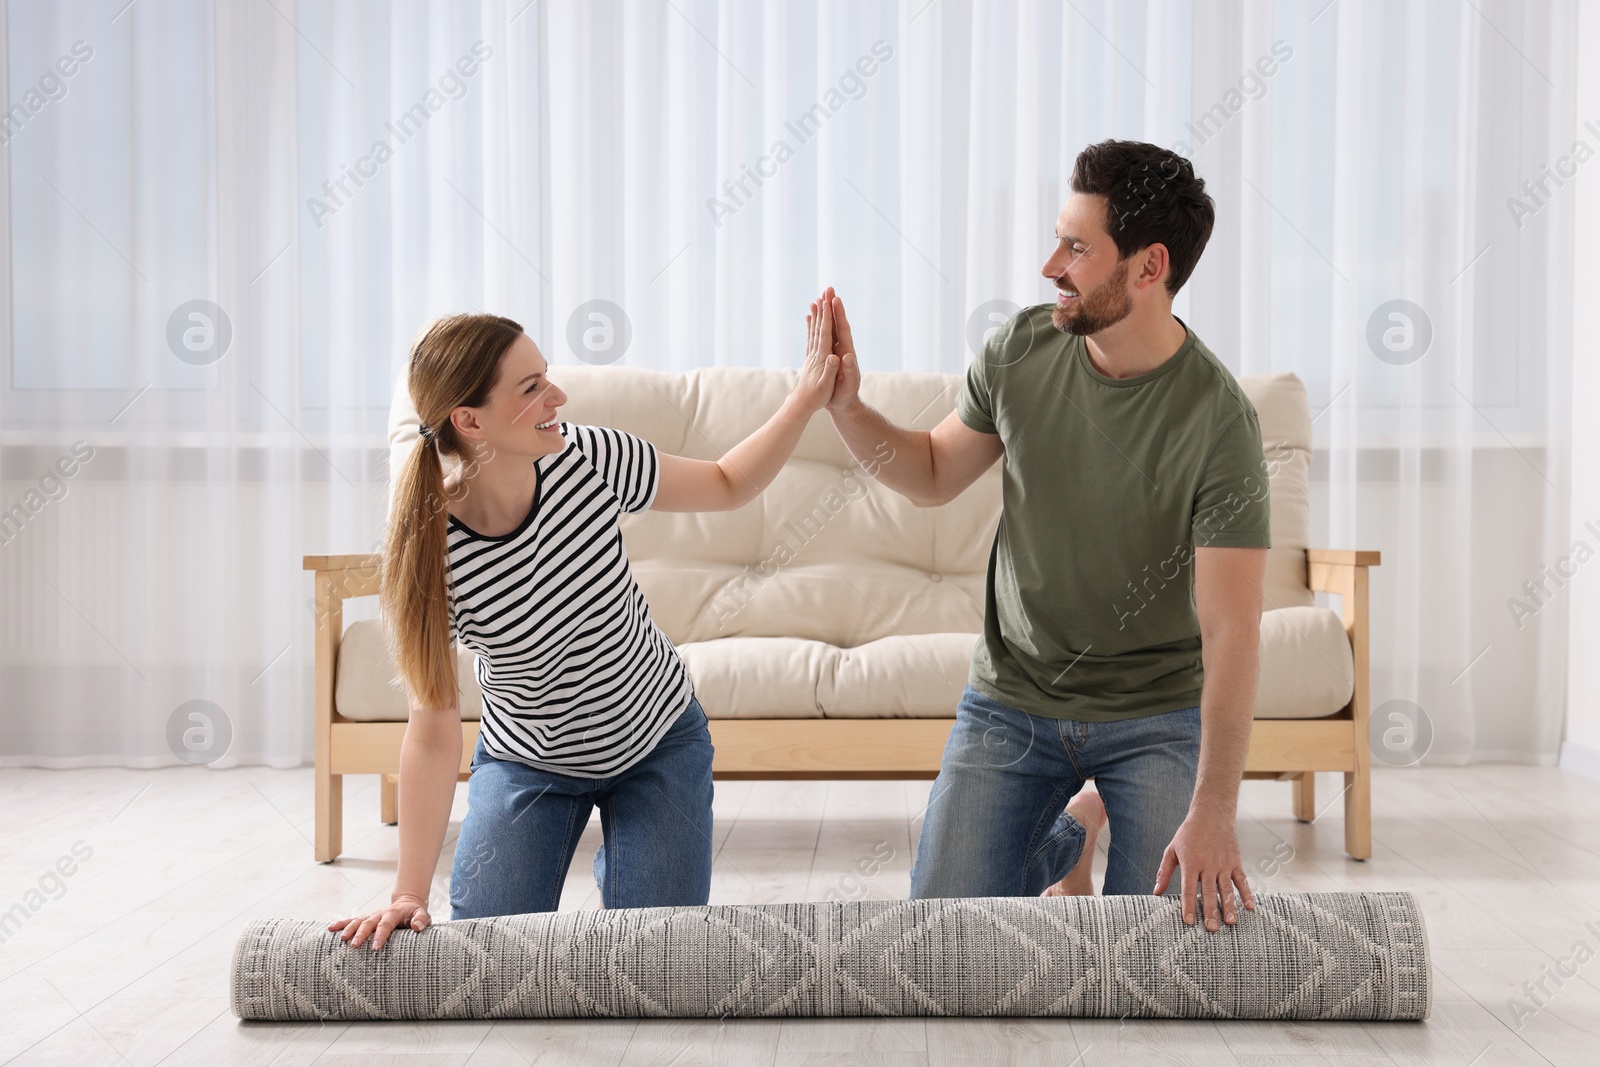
(330, 816)
(1358, 814)
(1305, 796)
(390, 798)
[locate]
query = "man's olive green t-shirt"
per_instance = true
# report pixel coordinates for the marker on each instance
(1109, 486)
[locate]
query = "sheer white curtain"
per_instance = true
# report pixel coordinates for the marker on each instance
(685, 175)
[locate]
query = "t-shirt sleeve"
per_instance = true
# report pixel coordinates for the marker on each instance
(1233, 505)
(974, 403)
(628, 463)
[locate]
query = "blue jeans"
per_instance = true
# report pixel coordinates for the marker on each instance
(996, 824)
(523, 824)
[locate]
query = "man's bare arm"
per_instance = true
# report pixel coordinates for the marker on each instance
(1205, 850)
(927, 467)
(1227, 596)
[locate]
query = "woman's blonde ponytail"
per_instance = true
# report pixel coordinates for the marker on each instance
(454, 363)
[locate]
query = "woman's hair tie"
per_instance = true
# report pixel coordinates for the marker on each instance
(424, 431)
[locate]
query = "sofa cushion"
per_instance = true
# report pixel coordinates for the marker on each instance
(1306, 672)
(911, 676)
(757, 677)
(1285, 418)
(367, 686)
(836, 603)
(906, 676)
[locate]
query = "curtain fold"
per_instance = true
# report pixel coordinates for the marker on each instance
(667, 184)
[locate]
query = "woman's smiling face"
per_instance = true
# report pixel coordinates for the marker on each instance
(521, 415)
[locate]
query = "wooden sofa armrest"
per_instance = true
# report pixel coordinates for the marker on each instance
(1343, 571)
(338, 578)
(1345, 556)
(348, 561)
(342, 577)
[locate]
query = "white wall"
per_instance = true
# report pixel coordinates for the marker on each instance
(1498, 710)
(1581, 749)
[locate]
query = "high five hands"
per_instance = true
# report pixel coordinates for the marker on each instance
(830, 377)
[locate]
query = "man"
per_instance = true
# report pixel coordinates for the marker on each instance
(1123, 604)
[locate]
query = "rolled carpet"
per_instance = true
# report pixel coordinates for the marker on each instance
(1358, 956)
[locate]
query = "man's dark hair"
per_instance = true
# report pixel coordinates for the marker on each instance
(1152, 196)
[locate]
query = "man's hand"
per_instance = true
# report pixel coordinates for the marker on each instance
(1206, 850)
(847, 384)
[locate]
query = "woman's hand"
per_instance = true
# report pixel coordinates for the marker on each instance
(751, 465)
(815, 386)
(405, 910)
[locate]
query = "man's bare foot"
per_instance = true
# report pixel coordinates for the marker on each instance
(1090, 812)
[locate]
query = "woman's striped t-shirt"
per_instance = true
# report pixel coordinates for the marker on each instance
(576, 677)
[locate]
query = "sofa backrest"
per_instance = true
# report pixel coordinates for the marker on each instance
(826, 552)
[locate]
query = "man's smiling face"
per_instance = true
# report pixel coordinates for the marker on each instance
(1091, 280)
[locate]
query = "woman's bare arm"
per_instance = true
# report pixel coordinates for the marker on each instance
(430, 761)
(749, 466)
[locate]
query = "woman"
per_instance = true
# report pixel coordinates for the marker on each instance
(518, 555)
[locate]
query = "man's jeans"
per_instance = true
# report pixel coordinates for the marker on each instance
(995, 824)
(523, 824)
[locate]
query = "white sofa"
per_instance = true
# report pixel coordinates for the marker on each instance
(828, 624)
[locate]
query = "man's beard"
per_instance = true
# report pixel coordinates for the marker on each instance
(1105, 307)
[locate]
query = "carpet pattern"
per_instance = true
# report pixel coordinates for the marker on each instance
(1358, 956)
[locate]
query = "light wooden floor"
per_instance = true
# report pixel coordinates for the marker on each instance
(129, 964)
